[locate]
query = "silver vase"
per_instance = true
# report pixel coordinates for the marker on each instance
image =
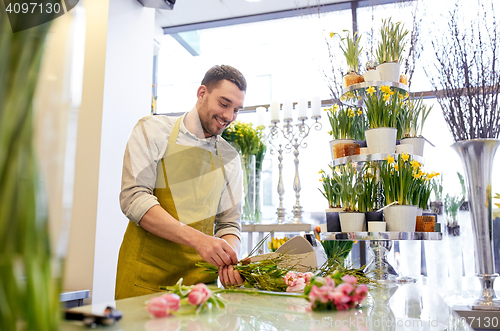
(477, 159)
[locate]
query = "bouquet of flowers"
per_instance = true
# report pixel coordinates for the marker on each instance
(249, 141)
(334, 292)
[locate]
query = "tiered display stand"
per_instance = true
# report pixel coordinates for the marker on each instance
(380, 243)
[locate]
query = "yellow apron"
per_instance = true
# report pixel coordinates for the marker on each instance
(189, 186)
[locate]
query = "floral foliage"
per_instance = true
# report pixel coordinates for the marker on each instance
(404, 181)
(183, 299)
(346, 122)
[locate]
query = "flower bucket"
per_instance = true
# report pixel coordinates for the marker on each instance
(381, 140)
(389, 71)
(332, 219)
(352, 222)
(401, 218)
(418, 144)
(338, 141)
(371, 75)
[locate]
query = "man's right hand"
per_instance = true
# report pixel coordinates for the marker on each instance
(216, 251)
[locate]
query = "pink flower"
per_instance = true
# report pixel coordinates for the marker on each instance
(350, 279)
(359, 293)
(290, 278)
(299, 286)
(164, 305)
(338, 297)
(329, 282)
(199, 294)
(173, 302)
(346, 288)
(317, 295)
(342, 306)
(307, 277)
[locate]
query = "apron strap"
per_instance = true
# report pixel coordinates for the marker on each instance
(175, 132)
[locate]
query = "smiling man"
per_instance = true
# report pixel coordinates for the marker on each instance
(181, 191)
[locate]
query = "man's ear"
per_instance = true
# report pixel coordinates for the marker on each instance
(202, 91)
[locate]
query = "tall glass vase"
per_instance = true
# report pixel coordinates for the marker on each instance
(248, 165)
(258, 196)
(477, 159)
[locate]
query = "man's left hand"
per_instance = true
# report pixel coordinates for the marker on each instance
(229, 277)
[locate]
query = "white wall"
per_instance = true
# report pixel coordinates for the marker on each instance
(127, 98)
(116, 93)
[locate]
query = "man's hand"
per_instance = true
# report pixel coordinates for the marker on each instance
(229, 277)
(216, 251)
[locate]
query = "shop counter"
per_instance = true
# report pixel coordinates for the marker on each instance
(405, 307)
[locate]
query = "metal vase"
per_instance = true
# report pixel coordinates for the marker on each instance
(477, 159)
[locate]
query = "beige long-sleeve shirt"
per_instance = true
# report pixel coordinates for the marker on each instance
(146, 147)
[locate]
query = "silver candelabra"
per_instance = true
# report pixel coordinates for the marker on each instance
(295, 135)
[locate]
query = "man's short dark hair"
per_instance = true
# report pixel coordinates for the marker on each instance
(218, 73)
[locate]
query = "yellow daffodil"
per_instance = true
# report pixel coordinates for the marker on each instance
(392, 92)
(387, 96)
(360, 112)
(332, 34)
(401, 96)
(416, 175)
(414, 164)
(321, 172)
(371, 90)
(396, 167)
(405, 157)
(321, 179)
(336, 107)
(385, 89)
(389, 159)
(330, 132)
(350, 113)
(406, 95)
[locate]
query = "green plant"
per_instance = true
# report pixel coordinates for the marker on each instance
(382, 107)
(437, 188)
(367, 198)
(351, 188)
(346, 122)
(451, 206)
(422, 187)
(397, 178)
(462, 185)
(350, 48)
(29, 290)
(391, 46)
(412, 117)
(331, 187)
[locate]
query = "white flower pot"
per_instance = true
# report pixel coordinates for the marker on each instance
(404, 148)
(401, 218)
(377, 226)
(352, 222)
(381, 140)
(339, 141)
(418, 144)
(371, 75)
(389, 71)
